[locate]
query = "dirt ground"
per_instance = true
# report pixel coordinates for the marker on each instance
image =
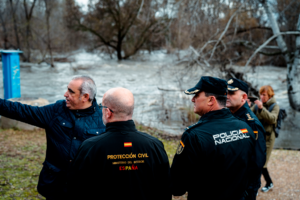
(284, 169)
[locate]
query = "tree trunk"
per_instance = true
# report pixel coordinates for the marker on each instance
(119, 46)
(15, 23)
(28, 29)
(48, 12)
(294, 79)
(291, 60)
(5, 36)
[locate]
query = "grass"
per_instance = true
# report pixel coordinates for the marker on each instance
(170, 141)
(23, 152)
(21, 157)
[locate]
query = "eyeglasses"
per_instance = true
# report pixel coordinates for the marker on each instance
(101, 106)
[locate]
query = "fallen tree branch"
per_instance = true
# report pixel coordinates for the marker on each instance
(248, 29)
(269, 40)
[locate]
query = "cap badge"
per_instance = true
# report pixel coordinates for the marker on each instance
(230, 81)
(191, 92)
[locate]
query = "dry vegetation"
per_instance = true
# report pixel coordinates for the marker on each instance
(22, 154)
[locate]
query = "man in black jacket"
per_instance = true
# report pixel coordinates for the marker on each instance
(67, 123)
(122, 163)
(213, 157)
(238, 105)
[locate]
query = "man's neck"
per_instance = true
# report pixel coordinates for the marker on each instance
(235, 109)
(87, 105)
(123, 119)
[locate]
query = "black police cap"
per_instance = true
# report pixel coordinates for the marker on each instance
(210, 85)
(236, 84)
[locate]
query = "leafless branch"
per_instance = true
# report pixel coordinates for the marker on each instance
(225, 30)
(269, 40)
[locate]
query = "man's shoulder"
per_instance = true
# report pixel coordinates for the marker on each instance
(95, 140)
(148, 138)
(248, 116)
(198, 130)
(251, 119)
(194, 126)
(59, 103)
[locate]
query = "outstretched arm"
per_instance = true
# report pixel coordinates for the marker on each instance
(34, 115)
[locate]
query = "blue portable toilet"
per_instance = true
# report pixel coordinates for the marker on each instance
(11, 73)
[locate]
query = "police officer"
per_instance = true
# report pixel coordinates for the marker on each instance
(123, 163)
(238, 105)
(212, 159)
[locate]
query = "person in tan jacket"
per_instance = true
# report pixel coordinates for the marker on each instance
(268, 120)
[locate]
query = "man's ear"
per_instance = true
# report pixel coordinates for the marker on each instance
(211, 100)
(108, 114)
(85, 97)
(244, 97)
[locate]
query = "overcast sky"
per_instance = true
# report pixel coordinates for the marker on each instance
(83, 3)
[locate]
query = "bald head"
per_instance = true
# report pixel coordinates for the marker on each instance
(120, 101)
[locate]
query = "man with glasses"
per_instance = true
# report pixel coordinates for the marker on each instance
(213, 157)
(67, 123)
(122, 163)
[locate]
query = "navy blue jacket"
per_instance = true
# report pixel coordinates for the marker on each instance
(259, 157)
(213, 158)
(65, 132)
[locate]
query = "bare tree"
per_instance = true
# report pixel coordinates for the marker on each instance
(14, 17)
(48, 10)
(124, 26)
(292, 58)
(3, 19)
(28, 16)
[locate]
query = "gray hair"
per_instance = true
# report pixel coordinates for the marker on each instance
(88, 86)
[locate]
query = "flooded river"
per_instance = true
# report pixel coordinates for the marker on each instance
(157, 84)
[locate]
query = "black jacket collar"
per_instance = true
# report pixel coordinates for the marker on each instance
(216, 114)
(121, 126)
(86, 112)
(241, 112)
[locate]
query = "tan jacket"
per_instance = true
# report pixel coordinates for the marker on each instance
(268, 119)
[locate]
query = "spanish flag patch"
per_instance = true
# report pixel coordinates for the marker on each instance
(181, 143)
(244, 130)
(127, 144)
(180, 148)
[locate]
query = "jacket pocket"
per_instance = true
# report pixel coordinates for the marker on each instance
(64, 123)
(50, 180)
(93, 132)
(61, 129)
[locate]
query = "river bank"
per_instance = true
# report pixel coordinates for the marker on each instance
(157, 82)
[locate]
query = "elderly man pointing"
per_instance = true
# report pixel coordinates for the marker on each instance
(67, 123)
(122, 163)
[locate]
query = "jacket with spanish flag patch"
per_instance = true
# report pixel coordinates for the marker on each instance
(213, 158)
(259, 156)
(122, 163)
